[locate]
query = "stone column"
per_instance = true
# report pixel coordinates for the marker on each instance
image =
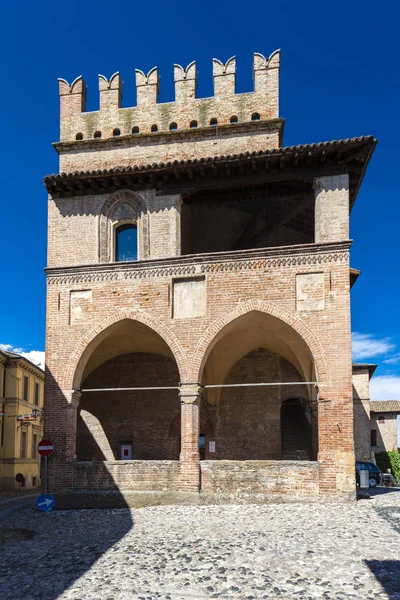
(332, 208)
(190, 396)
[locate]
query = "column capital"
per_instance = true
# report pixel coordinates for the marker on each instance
(190, 393)
(73, 397)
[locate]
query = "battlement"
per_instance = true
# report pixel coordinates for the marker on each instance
(186, 113)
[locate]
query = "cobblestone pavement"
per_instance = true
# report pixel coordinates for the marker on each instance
(281, 551)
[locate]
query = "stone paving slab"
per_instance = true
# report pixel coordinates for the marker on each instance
(250, 552)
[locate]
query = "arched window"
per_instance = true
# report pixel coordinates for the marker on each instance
(173, 126)
(213, 122)
(255, 117)
(126, 243)
(135, 129)
(116, 132)
(193, 124)
(79, 136)
(234, 119)
(97, 134)
(154, 128)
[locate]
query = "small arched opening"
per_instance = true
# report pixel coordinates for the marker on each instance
(154, 129)
(213, 122)
(97, 134)
(135, 129)
(173, 126)
(193, 124)
(126, 242)
(255, 116)
(79, 136)
(233, 119)
(116, 132)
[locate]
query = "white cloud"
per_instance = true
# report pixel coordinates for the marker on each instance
(393, 360)
(35, 356)
(385, 387)
(366, 346)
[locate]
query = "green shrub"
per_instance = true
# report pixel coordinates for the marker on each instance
(389, 460)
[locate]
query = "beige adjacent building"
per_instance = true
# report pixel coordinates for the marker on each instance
(362, 373)
(21, 409)
(385, 425)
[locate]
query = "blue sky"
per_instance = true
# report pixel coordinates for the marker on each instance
(339, 79)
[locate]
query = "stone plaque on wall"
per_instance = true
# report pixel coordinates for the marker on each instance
(189, 298)
(310, 293)
(80, 305)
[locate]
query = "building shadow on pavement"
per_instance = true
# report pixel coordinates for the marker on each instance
(387, 572)
(383, 491)
(45, 554)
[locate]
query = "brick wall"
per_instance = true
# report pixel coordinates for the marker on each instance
(127, 475)
(140, 418)
(186, 108)
(140, 290)
(150, 148)
(247, 425)
(262, 477)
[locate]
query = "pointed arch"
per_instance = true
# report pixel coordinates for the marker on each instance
(213, 334)
(123, 206)
(89, 341)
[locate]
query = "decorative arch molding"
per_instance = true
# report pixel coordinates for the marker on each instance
(122, 207)
(73, 372)
(204, 347)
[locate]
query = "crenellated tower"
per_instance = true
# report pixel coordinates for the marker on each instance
(188, 128)
(198, 294)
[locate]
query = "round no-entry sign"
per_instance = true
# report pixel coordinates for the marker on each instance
(45, 447)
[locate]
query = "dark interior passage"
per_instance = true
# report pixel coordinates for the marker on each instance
(248, 218)
(295, 431)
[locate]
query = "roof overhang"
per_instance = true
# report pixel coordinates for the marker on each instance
(370, 367)
(354, 275)
(304, 162)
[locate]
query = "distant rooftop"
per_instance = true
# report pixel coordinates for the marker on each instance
(11, 354)
(384, 406)
(370, 366)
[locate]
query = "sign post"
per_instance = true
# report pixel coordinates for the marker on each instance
(46, 501)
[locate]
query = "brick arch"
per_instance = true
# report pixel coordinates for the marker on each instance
(140, 316)
(204, 347)
(138, 213)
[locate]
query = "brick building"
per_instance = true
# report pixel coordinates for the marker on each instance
(198, 314)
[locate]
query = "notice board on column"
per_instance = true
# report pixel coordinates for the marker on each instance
(211, 446)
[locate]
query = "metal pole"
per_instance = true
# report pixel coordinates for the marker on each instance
(130, 389)
(45, 474)
(220, 385)
(226, 385)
